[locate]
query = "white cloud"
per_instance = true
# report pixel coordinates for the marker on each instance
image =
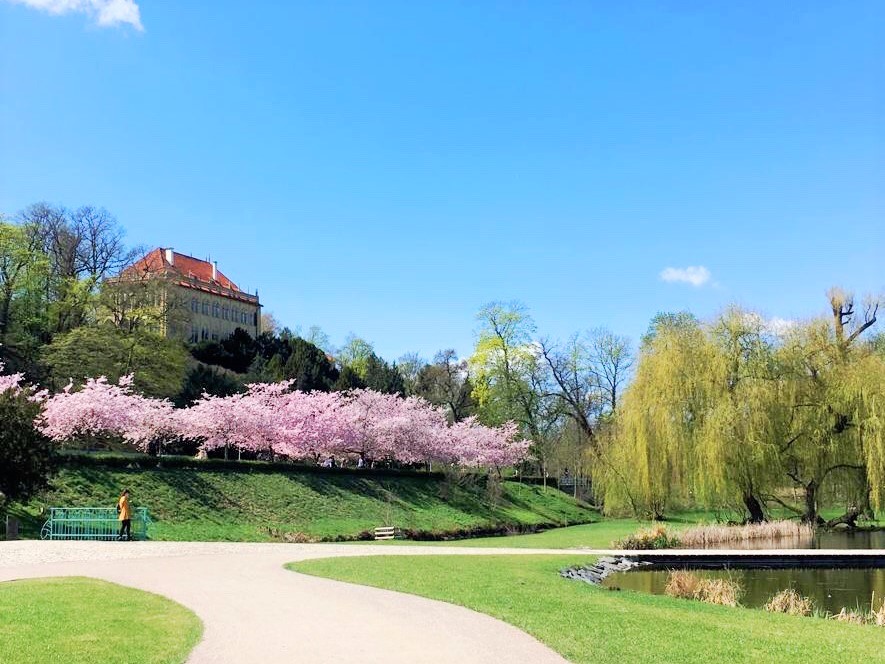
(106, 13)
(696, 275)
(779, 326)
(775, 326)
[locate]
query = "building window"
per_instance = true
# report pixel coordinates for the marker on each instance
(205, 307)
(205, 334)
(194, 305)
(224, 313)
(195, 336)
(216, 310)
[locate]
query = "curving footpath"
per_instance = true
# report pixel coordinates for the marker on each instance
(253, 610)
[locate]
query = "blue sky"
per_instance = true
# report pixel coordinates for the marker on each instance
(386, 168)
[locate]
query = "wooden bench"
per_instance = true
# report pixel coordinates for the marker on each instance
(385, 533)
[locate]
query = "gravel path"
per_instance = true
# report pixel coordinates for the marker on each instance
(253, 610)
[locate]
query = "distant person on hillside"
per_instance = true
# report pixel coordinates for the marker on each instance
(361, 463)
(124, 515)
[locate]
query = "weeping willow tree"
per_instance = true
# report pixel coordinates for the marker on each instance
(736, 443)
(649, 461)
(731, 414)
(833, 447)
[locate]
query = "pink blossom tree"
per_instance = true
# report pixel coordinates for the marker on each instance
(103, 409)
(10, 382)
(272, 419)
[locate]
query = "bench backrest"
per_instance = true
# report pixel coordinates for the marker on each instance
(93, 523)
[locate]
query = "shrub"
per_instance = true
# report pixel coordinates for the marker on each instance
(291, 537)
(26, 455)
(649, 538)
(790, 602)
(688, 585)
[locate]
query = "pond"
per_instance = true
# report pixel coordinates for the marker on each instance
(831, 589)
(834, 539)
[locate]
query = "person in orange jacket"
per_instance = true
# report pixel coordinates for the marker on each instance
(124, 515)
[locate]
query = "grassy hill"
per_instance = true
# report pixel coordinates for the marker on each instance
(243, 504)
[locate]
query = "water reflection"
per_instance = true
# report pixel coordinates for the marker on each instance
(836, 539)
(831, 589)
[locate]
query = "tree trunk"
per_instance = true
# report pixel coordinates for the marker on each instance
(810, 515)
(4, 314)
(754, 507)
(849, 519)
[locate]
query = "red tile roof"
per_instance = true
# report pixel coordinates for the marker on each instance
(186, 266)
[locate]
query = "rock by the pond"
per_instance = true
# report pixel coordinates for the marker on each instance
(597, 572)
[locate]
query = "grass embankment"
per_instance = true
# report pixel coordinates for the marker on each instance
(600, 534)
(239, 505)
(590, 624)
(86, 621)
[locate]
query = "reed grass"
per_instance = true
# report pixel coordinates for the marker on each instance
(878, 617)
(700, 536)
(658, 537)
(688, 585)
(853, 617)
(790, 602)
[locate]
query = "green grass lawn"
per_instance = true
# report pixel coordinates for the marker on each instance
(212, 505)
(86, 621)
(590, 624)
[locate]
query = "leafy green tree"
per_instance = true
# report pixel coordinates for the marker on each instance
(355, 353)
(509, 378)
(159, 364)
(25, 454)
(506, 369)
(318, 338)
(84, 247)
(446, 383)
(20, 259)
(409, 367)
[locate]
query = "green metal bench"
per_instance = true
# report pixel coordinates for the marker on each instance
(92, 523)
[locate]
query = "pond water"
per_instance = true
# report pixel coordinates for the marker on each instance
(834, 539)
(831, 589)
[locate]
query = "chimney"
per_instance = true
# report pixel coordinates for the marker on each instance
(170, 256)
(214, 270)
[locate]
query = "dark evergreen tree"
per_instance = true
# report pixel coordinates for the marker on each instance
(309, 367)
(209, 380)
(241, 349)
(383, 377)
(348, 379)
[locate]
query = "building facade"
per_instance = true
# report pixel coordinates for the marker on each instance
(199, 302)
